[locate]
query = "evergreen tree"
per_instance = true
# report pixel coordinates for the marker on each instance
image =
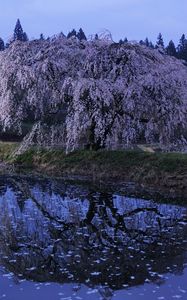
(182, 42)
(72, 33)
(61, 35)
(2, 45)
(170, 49)
(96, 37)
(7, 45)
(25, 37)
(151, 45)
(19, 34)
(146, 43)
(182, 48)
(121, 42)
(81, 35)
(141, 42)
(160, 41)
(42, 37)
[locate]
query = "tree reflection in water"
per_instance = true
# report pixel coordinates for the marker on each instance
(53, 231)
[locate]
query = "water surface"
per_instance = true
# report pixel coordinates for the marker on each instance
(66, 241)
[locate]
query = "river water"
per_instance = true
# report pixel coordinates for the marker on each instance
(63, 241)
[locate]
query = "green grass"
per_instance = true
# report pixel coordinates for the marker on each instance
(171, 162)
(104, 160)
(7, 149)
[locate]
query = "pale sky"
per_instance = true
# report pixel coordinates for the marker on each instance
(135, 19)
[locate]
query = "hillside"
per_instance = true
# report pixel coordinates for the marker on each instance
(97, 94)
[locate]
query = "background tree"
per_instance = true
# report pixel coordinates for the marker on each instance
(171, 49)
(141, 42)
(96, 37)
(42, 37)
(182, 48)
(25, 37)
(160, 41)
(182, 42)
(121, 42)
(151, 45)
(61, 35)
(72, 33)
(81, 35)
(146, 43)
(2, 45)
(19, 34)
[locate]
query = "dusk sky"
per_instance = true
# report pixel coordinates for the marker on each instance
(135, 19)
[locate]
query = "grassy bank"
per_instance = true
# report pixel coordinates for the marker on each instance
(159, 170)
(168, 170)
